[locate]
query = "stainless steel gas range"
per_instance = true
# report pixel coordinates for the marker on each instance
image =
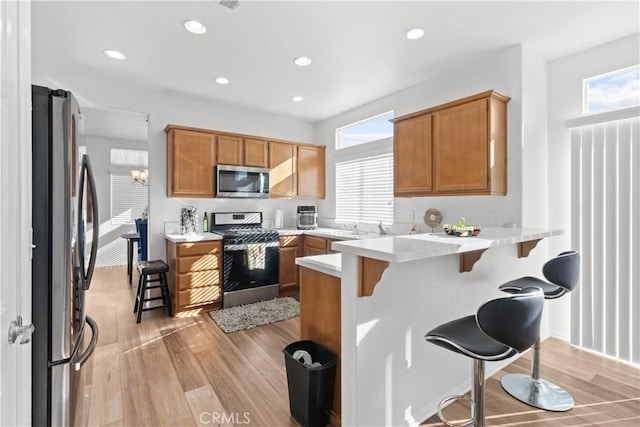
(251, 257)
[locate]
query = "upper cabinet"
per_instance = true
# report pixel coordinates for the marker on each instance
(411, 154)
(283, 164)
(190, 163)
(235, 150)
(311, 171)
(297, 170)
(459, 148)
(229, 150)
(256, 153)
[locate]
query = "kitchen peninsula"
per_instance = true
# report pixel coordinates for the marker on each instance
(395, 289)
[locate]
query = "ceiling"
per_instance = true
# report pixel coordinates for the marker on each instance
(358, 48)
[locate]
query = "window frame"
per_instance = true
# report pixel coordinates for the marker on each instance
(585, 89)
(368, 119)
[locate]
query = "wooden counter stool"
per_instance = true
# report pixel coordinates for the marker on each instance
(501, 328)
(146, 269)
(563, 272)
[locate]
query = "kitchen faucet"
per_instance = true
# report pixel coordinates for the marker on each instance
(382, 230)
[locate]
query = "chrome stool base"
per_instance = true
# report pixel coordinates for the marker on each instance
(470, 422)
(537, 393)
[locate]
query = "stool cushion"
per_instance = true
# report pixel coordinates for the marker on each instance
(464, 336)
(550, 291)
(152, 267)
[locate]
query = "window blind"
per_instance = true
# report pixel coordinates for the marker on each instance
(128, 199)
(605, 191)
(364, 190)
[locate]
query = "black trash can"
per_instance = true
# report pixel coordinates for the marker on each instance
(310, 387)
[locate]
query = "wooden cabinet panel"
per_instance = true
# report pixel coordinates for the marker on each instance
(311, 171)
(460, 148)
(288, 267)
(199, 279)
(229, 150)
(198, 263)
(282, 161)
(315, 242)
(190, 164)
(288, 241)
(308, 251)
(320, 319)
(412, 156)
(200, 248)
(255, 153)
(205, 295)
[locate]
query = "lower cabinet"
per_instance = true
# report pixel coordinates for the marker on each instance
(290, 249)
(314, 245)
(195, 277)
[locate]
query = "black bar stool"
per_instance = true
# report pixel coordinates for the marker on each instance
(563, 272)
(146, 269)
(501, 328)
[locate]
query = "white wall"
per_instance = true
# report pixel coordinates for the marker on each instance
(165, 109)
(500, 71)
(565, 77)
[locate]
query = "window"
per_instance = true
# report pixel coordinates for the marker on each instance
(612, 91)
(368, 130)
(136, 158)
(364, 190)
(128, 199)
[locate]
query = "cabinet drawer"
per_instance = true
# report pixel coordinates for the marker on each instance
(200, 248)
(205, 295)
(315, 242)
(198, 263)
(199, 279)
(289, 241)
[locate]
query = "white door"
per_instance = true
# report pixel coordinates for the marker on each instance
(15, 208)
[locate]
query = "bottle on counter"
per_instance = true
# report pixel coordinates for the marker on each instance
(205, 223)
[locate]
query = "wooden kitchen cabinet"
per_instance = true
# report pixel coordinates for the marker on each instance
(190, 163)
(282, 161)
(290, 249)
(412, 156)
(238, 151)
(297, 170)
(229, 150)
(468, 148)
(311, 171)
(195, 275)
(315, 245)
(255, 153)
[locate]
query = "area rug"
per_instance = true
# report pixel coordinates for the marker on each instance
(249, 316)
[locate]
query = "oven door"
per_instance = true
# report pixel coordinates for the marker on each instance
(241, 181)
(250, 265)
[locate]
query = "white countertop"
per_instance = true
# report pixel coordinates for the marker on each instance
(181, 238)
(419, 246)
(330, 264)
(329, 233)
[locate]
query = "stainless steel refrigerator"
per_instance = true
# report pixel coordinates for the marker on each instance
(65, 212)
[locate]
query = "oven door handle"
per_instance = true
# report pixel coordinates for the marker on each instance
(245, 246)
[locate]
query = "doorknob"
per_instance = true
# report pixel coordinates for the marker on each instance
(16, 329)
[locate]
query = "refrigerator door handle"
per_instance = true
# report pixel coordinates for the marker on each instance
(92, 345)
(86, 170)
(96, 222)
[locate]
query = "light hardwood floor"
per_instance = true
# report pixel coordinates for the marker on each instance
(184, 371)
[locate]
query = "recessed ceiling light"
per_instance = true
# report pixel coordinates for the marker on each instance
(196, 27)
(297, 99)
(222, 80)
(115, 54)
(302, 61)
(415, 33)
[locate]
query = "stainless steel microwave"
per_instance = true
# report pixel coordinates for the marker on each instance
(242, 181)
